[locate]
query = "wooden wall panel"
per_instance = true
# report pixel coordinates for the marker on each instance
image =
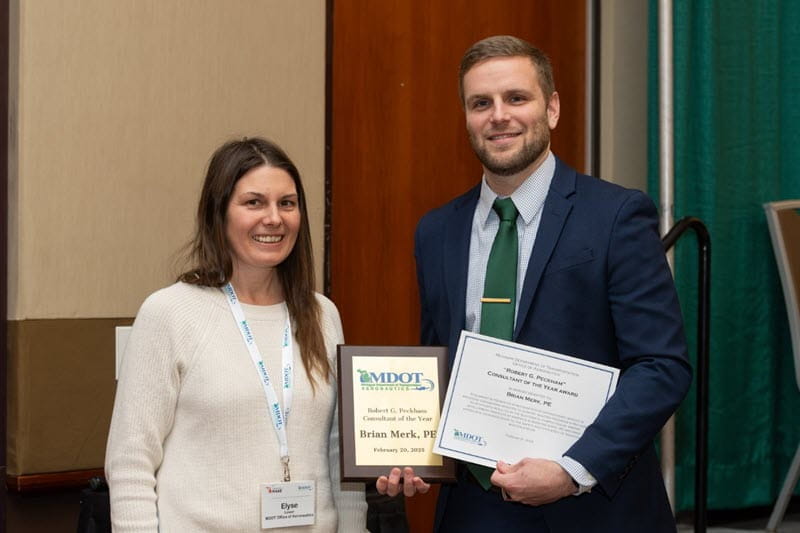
(61, 393)
(398, 141)
(398, 144)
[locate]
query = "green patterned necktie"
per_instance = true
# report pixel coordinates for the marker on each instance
(499, 293)
(500, 287)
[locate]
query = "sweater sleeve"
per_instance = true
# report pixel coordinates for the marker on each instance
(350, 498)
(144, 410)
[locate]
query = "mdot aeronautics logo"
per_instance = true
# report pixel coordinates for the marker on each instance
(463, 436)
(394, 381)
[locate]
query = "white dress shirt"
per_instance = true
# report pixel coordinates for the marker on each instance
(529, 200)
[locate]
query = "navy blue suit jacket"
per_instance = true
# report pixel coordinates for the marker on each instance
(597, 287)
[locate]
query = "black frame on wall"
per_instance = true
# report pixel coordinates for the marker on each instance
(4, 51)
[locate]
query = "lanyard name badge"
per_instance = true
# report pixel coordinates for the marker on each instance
(287, 503)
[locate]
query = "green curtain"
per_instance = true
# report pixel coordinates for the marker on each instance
(737, 146)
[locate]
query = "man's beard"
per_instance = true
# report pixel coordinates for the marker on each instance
(519, 161)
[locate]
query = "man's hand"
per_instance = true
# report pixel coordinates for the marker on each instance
(533, 481)
(410, 485)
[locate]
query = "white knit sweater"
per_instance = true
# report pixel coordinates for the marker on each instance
(191, 438)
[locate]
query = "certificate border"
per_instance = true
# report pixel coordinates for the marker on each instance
(350, 471)
(467, 336)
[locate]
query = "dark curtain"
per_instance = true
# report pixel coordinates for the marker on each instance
(737, 146)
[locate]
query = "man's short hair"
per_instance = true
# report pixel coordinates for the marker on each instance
(507, 46)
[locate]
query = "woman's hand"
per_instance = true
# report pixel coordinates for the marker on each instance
(405, 482)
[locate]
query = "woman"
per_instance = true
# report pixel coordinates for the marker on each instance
(205, 437)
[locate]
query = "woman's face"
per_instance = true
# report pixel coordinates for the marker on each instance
(262, 220)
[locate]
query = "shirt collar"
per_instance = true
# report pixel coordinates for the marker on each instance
(528, 198)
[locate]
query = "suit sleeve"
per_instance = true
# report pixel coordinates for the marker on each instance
(428, 336)
(655, 373)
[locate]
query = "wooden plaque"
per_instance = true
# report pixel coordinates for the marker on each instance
(390, 399)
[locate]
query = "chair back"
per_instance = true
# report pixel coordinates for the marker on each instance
(783, 219)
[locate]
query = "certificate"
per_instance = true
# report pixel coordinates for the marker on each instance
(390, 399)
(507, 401)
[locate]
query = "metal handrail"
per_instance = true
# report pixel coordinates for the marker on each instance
(703, 329)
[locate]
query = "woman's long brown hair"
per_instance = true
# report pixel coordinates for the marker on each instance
(211, 256)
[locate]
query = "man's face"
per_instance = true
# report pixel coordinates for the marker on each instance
(508, 117)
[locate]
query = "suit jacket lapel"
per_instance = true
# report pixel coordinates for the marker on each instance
(456, 248)
(555, 211)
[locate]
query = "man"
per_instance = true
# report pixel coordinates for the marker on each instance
(592, 282)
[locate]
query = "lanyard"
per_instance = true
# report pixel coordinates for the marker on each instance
(279, 418)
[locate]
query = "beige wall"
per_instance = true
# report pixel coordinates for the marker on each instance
(116, 106)
(623, 92)
(115, 109)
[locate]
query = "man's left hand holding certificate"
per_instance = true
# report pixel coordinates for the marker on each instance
(508, 401)
(516, 408)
